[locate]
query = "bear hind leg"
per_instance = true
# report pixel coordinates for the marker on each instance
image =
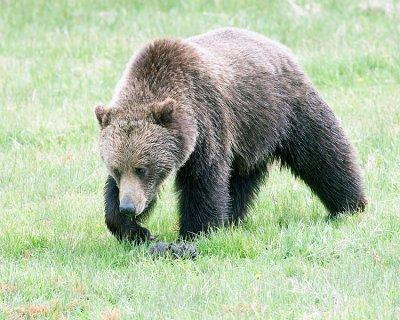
(320, 154)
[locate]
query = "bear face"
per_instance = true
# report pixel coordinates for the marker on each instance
(140, 148)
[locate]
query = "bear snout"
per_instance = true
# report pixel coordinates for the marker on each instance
(127, 207)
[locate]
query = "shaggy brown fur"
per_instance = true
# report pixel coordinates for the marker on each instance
(217, 109)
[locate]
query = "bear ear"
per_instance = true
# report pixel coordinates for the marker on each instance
(102, 115)
(163, 112)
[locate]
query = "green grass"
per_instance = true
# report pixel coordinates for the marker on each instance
(57, 260)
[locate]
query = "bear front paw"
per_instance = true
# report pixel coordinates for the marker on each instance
(139, 235)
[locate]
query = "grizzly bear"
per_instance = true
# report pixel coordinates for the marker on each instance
(216, 110)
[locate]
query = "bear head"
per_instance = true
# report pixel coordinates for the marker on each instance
(141, 146)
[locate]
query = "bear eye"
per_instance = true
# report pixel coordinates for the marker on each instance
(140, 172)
(116, 173)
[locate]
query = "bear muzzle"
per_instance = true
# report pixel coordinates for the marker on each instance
(127, 207)
(132, 200)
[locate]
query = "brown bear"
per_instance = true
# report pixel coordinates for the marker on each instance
(216, 110)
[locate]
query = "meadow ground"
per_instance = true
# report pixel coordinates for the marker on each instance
(57, 260)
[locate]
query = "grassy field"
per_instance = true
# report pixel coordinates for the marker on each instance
(57, 259)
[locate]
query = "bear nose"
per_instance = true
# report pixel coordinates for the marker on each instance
(127, 207)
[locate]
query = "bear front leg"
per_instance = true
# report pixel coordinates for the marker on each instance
(121, 226)
(203, 199)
